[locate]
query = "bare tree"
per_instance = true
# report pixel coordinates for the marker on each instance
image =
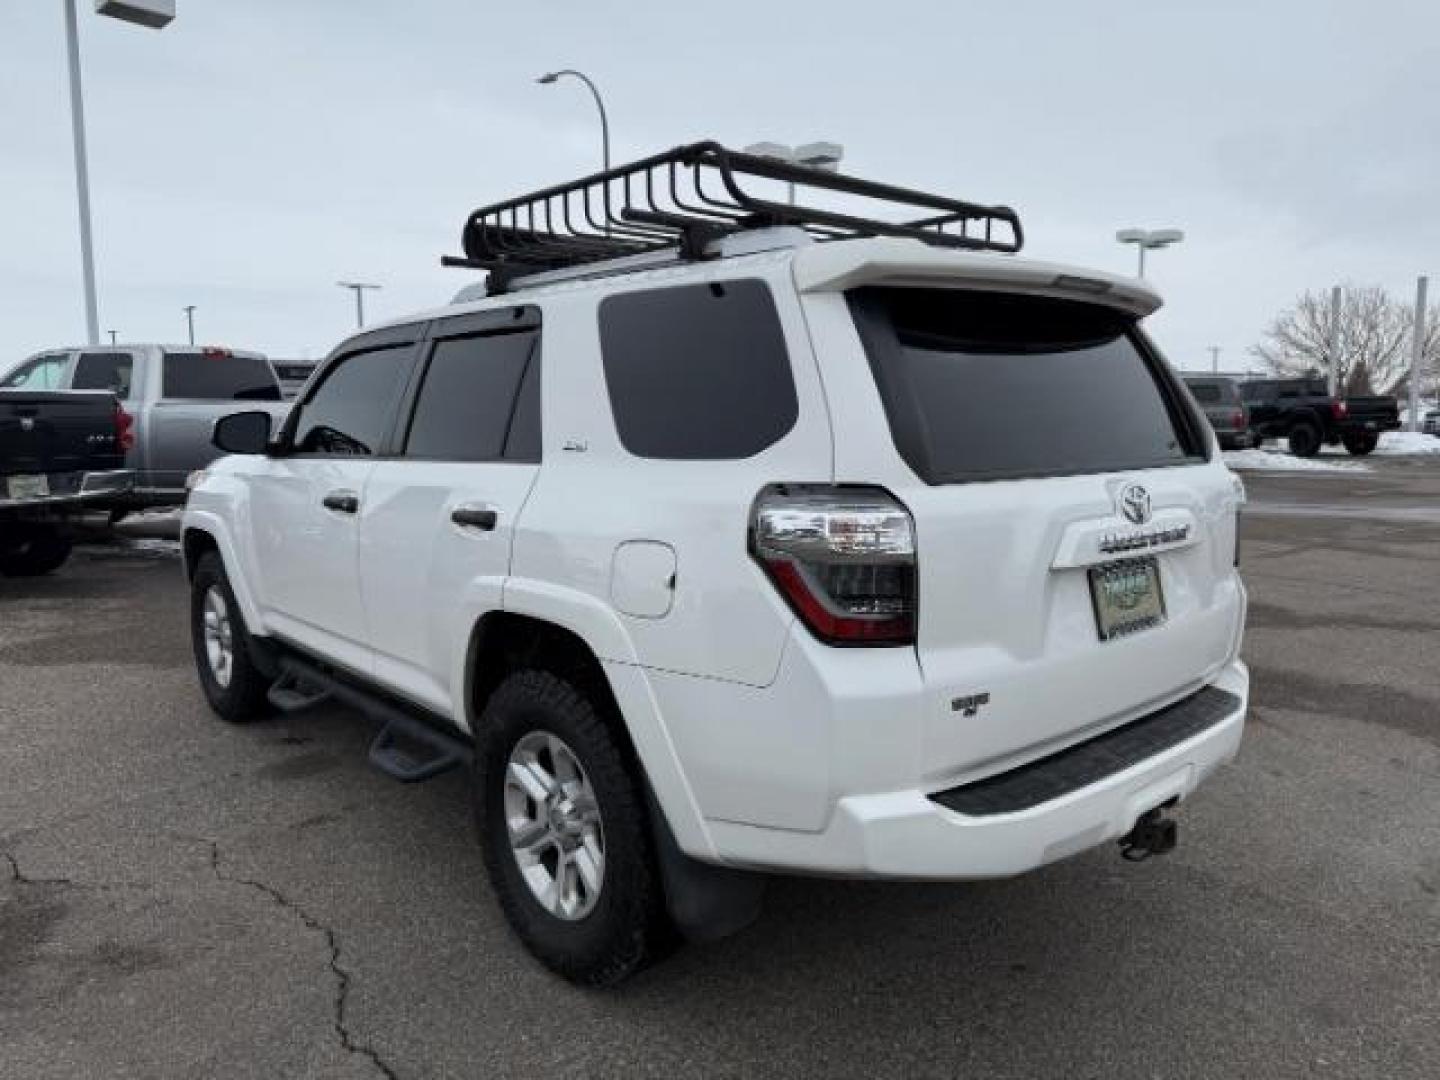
(1374, 346)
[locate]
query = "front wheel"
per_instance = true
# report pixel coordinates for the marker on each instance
(233, 686)
(1361, 444)
(40, 549)
(564, 833)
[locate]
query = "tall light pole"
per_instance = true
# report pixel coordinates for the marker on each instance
(1417, 351)
(358, 287)
(1214, 359)
(1149, 240)
(190, 321)
(154, 14)
(552, 77)
(112, 336)
(816, 155)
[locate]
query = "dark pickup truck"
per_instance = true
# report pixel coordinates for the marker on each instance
(59, 451)
(1302, 412)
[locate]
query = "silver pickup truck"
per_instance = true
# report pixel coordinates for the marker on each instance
(175, 394)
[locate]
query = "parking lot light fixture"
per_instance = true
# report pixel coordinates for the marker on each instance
(1149, 240)
(154, 14)
(552, 77)
(358, 287)
(816, 155)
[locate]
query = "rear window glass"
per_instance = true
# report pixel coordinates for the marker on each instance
(219, 376)
(984, 386)
(1206, 393)
(697, 371)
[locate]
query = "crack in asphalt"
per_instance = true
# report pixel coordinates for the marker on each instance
(342, 977)
(21, 878)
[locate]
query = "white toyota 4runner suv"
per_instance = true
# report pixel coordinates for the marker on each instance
(731, 536)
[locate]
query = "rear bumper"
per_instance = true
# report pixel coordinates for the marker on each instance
(72, 489)
(1236, 440)
(908, 834)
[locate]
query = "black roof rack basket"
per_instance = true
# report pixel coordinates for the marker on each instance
(690, 196)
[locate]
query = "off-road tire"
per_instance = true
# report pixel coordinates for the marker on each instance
(41, 549)
(244, 696)
(1304, 440)
(627, 928)
(1360, 445)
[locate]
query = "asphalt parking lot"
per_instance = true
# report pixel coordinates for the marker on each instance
(179, 898)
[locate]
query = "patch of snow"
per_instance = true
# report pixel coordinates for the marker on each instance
(1276, 458)
(1395, 444)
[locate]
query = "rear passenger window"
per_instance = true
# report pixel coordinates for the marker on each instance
(350, 411)
(470, 402)
(219, 375)
(697, 371)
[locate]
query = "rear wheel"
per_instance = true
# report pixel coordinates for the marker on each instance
(1362, 444)
(233, 686)
(34, 550)
(564, 833)
(1304, 440)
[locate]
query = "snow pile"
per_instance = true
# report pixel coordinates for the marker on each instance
(1277, 458)
(1408, 442)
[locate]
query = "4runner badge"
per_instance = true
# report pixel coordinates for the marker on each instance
(969, 706)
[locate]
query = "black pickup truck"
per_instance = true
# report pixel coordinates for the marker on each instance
(59, 450)
(1302, 412)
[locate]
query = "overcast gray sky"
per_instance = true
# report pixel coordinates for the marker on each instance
(256, 151)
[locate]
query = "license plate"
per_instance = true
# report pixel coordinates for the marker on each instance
(28, 487)
(1126, 596)
(1370, 425)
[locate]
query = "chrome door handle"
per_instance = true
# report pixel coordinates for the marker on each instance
(475, 517)
(342, 502)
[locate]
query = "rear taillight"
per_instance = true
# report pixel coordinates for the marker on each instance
(1238, 420)
(1339, 410)
(124, 425)
(843, 558)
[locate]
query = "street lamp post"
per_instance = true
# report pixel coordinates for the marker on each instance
(816, 155)
(1149, 240)
(358, 287)
(554, 76)
(151, 13)
(1214, 359)
(190, 321)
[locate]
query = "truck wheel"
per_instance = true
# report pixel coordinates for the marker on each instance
(233, 685)
(564, 833)
(1304, 440)
(1362, 444)
(41, 549)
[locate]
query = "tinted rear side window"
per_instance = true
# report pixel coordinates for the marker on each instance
(467, 404)
(105, 371)
(219, 376)
(697, 371)
(1206, 393)
(981, 386)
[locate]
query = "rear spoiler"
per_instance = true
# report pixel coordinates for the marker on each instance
(837, 267)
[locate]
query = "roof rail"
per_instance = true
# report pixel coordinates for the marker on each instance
(689, 197)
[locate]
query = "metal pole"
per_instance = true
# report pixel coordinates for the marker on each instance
(1141, 272)
(190, 321)
(82, 174)
(359, 305)
(1417, 351)
(1214, 359)
(1334, 344)
(112, 336)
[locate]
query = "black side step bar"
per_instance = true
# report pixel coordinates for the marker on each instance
(407, 748)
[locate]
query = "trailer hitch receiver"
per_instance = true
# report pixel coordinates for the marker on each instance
(1153, 834)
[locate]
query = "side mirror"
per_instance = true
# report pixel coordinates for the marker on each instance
(243, 433)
